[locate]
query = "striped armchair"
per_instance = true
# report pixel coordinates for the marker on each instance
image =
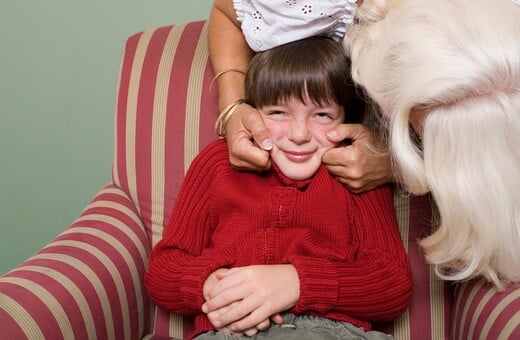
(88, 282)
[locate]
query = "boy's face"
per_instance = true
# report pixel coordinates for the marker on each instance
(298, 131)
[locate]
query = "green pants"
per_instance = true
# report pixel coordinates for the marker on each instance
(305, 328)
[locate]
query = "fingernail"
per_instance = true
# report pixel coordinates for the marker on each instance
(266, 144)
(332, 134)
(204, 309)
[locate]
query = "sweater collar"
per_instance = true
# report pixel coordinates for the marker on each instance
(298, 184)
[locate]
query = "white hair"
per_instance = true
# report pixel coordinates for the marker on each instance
(458, 62)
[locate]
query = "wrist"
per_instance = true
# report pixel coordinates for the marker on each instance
(230, 86)
(223, 117)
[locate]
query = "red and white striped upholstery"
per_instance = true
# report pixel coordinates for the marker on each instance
(88, 282)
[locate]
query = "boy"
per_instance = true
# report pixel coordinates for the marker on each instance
(291, 243)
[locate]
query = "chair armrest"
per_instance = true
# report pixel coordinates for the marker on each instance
(87, 283)
(480, 312)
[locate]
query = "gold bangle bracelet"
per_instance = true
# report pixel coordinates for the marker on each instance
(224, 116)
(228, 70)
(222, 72)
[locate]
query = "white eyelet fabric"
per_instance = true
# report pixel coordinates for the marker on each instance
(270, 23)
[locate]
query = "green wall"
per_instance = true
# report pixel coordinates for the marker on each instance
(59, 64)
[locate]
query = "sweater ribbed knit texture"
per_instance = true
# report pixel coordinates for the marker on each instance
(345, 247)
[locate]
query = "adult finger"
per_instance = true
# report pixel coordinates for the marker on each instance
(340, 156)
(245, 131)
(255, 125)
(344, 132)
(246, 155)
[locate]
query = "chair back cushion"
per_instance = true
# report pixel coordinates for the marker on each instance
(165, 114)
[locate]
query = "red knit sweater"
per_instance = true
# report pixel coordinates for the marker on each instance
(345, 247)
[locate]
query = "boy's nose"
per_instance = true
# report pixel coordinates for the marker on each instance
(300, 132)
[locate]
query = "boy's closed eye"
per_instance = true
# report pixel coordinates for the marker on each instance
(326, 117)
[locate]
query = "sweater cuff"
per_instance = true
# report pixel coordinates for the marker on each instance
(318, 284)
(197, 273)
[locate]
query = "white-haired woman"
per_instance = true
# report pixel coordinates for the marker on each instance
(446, 77)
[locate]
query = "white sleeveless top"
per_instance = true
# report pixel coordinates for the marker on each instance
(270, 23)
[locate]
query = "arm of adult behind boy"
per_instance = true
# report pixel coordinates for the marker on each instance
(230, 54)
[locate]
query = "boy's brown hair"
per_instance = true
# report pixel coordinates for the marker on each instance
(316, 66)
